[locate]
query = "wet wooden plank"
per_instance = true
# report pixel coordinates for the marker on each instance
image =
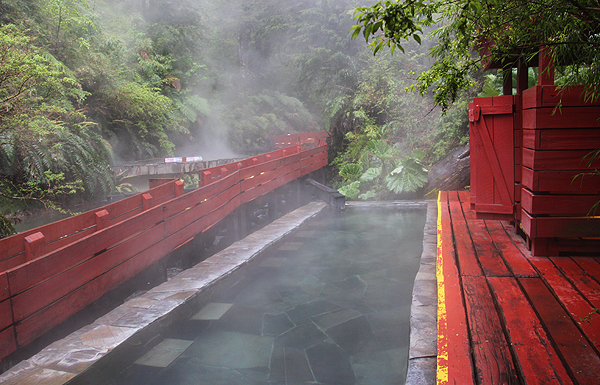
(590, 265)
(454, 356)
(512, 253)
(492, 355)
(571, 298)
(581, 358)
(467, 259)
(584, 283)
(488, 255)
(538, 362)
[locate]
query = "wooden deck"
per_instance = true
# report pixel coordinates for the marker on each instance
(505, 317)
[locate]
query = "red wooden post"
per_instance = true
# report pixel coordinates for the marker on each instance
(178, 188)
(102, 219)
(522, 77)
(35, 246)
(205, 178)
(146, 201)
(546, 67)
(224, 172)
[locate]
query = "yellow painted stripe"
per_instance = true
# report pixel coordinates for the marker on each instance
(442, 353)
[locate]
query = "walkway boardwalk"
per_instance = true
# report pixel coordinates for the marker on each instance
(505, 317)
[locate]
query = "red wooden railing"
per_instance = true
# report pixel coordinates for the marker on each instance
(52, 272)
(316, 137)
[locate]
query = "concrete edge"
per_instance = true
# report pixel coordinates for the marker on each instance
(63, 360)
(422, 355)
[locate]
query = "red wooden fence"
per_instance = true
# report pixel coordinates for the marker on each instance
(51, 272)
(316, 137)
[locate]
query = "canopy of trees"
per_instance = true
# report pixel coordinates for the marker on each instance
(85, 84)
(569, 29)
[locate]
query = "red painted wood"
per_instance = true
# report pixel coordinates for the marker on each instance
(563, 181)
(562, 227)
(61, 233)
(488, 255)
(176, 222)
(52, 288)
(590, 265)
(493, 154)
(577, 306)
(35, 246)
(6, 315)
(39, 296)
(472, 159)
(513, 254)
(453, 336)
(570, 246)
(491, 352)
(574, 348)
(4, 288)
(546, 67)
(558, 160)
(537, 360)
(565, 117)
(558, 205)
(30, 273)
(8, 343)
(562, 139)
(199, 195)
(155, 182)
(552, 96)
(584, 283)
(102, 219)
(468, 263)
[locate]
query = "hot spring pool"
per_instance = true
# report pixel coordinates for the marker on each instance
(329, 305)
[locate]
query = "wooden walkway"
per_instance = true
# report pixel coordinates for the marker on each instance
(505, 317)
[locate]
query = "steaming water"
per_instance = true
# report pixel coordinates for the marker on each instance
(330, 306)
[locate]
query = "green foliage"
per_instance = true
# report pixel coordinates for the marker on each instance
(6, 227)
(139, 117)
(381, 171)
(518, 30)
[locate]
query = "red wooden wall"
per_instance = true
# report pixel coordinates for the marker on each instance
(49, 273)
(559, 130)
(526, 151)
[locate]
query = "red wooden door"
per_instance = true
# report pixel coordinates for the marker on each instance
(491, 124)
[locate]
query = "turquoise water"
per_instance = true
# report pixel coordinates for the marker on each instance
(331, 305)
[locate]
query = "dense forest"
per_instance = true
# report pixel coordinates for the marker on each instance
(89, 83)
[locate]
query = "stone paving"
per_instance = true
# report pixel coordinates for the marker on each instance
(330, 317)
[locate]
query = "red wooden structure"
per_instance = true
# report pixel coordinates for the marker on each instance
(304, 138)
(51, 272)
(526, 151)
(505, 317)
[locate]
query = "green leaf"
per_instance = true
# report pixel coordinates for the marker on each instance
(371, 174)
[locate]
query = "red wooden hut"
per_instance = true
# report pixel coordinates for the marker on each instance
(529, 165)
